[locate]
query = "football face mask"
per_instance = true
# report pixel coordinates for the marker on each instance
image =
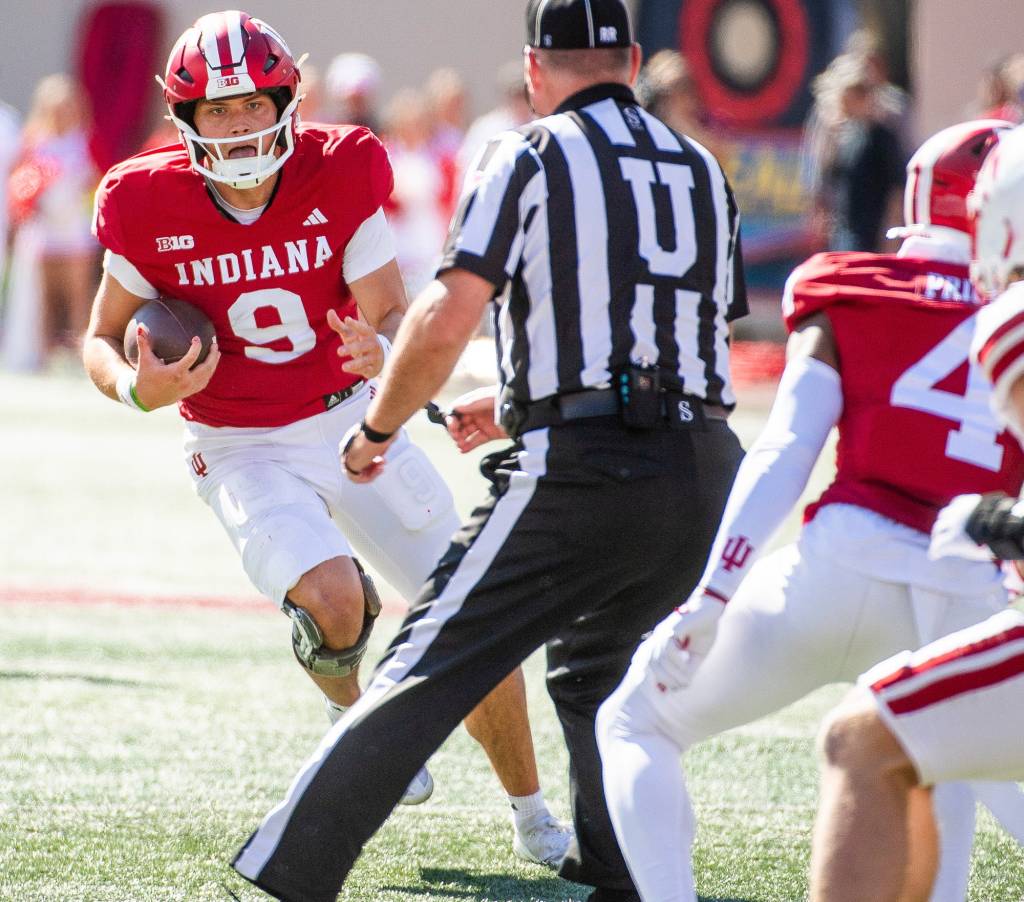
(209, 156)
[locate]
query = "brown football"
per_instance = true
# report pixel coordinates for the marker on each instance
(171, 324)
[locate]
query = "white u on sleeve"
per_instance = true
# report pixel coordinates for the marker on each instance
(775, 470)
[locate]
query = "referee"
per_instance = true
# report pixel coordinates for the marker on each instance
(610, 247)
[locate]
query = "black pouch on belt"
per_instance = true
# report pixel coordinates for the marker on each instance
(638, 386)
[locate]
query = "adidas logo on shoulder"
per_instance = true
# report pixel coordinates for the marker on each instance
(315, 218)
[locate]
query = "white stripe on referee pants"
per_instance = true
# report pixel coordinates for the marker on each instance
(470, 570)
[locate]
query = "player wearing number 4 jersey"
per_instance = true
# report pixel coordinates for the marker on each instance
(879, 347)
(951, 710)
(276, 232)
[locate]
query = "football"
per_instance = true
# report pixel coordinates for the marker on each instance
(171, 324)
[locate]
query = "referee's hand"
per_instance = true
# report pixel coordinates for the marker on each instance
(471, 420)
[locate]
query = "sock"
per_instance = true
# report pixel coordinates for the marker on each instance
(527, 808)
(334, 711)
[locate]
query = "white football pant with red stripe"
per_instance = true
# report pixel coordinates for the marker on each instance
(957, 705)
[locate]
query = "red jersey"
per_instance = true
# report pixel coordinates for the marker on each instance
(267, 286)
(916, 428)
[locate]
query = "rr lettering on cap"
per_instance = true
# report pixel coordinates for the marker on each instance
(608, 34)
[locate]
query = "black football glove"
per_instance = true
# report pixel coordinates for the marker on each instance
(994, 523)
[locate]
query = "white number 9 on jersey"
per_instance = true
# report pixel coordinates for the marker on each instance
(293, 324)
(974, 441)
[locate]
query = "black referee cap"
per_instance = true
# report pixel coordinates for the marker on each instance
(577, 24)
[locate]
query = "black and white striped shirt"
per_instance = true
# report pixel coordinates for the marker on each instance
(619, 241)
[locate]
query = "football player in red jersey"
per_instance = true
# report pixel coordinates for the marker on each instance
(951, 710)
(275, 230)
(879, 347)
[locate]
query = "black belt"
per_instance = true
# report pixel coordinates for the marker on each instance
(335, 398)
(679, 410)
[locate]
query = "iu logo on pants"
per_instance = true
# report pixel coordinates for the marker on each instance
(199, 465)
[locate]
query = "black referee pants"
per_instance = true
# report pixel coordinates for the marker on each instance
(591, 535)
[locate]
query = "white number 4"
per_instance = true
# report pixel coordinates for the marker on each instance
(974, 441)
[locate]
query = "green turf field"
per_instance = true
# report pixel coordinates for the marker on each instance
(141, 742)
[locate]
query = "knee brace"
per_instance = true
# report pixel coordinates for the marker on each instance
(308, 638)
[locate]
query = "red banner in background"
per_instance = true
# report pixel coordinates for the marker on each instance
(119, 51)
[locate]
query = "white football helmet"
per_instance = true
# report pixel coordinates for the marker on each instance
(997, 209)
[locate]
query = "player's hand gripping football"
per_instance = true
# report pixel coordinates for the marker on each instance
(681, 642)
(158, 384)
(471, 419)
(359, 343)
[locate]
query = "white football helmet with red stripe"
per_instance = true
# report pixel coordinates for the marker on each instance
(941, 174)
(997, 208)
(230, 54)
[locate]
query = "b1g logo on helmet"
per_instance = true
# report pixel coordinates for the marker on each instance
(175, 243)
(229, 81)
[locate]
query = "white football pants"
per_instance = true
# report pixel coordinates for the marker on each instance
(797, 623)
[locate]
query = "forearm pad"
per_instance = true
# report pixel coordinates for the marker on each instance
(995, 524)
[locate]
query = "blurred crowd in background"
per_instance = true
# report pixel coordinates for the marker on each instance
(854, 146)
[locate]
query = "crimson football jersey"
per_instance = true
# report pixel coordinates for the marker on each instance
(916, 427)
(267, 286)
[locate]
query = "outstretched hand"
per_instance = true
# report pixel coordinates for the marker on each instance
(158, 384)
(471, 419)
(359, 343)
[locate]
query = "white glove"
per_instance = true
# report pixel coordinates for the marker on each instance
(949, 534)
(682, 641)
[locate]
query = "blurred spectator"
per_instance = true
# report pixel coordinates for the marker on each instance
(862, 165)
(312, 108)
(999, 91)
(9, 143)
(890, 103)
(446, 97)
(54, 266)
(666, 88)
(417, 208)
(513, 110)
(352, 82)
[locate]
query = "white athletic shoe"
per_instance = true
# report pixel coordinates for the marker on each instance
(543, 841)
(420, 789)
